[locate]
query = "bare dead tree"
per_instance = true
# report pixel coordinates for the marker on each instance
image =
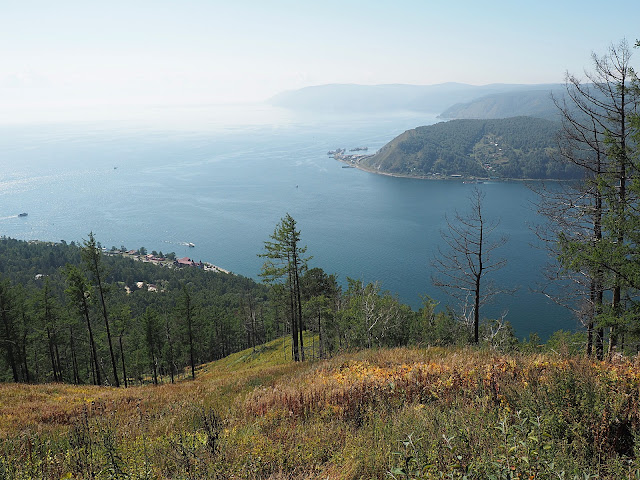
(461, 268)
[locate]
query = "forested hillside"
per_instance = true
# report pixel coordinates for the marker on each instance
(141, 322)
(520, 147)
(53, 318)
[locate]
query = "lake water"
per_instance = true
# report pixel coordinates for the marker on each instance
(222, 178)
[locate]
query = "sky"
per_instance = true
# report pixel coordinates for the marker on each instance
(69, 54)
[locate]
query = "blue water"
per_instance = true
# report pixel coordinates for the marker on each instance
(223, 178)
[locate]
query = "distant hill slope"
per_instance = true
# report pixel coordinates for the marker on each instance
(384, 98)
(533, 103)
(520, 147)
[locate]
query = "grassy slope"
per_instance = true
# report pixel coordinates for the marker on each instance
(413, 413)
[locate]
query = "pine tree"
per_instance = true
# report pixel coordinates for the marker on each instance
(598, 221)
(92, 257)
(285, 263)
(79, 292)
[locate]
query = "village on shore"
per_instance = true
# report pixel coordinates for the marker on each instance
(167, 261)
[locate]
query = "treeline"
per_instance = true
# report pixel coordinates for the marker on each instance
(519, 147)
(54, 325)
(60, 323)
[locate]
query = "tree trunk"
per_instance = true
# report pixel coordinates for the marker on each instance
(106, 323)
(294, 321)
(74, 360)
(96, 377)
(124, 368)
(27, 376)
(52, 355)
(92, 257)
(171, 361)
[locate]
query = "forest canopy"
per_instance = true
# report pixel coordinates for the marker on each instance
(519, 147)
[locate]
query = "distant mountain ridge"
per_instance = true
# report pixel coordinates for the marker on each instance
(399, 97)
(515, 148)
(535, 103)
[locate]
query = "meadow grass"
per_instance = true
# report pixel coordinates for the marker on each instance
(390, 413)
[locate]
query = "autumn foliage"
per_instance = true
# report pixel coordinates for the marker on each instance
(391, 413)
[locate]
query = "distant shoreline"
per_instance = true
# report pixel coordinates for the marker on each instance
(446, 178)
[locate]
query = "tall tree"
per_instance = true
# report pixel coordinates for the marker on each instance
(78, 292)
(92, 257)
(153, 337)
(8, 339)
(48, 314)
(24, 331)
(285, 263)
(460, 269)
(122, 318)
(320, 296)
(169, 347)
(598, 218)
(186, 310)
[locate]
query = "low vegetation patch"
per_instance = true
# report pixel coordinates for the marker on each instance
(389, 413)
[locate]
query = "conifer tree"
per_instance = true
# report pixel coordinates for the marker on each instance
(186, 310)
(92, 257)
(79, 292)
(285, 263)
(598, 221)
(152, 332)
(8, 339)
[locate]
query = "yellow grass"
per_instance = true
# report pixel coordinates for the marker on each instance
(256, 414)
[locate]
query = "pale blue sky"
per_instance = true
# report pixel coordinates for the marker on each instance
(68, 53)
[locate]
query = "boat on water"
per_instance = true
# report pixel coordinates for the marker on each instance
(191, 245)
(24, 214)
(348, 166)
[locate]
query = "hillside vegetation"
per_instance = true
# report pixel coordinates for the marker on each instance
(520, 147)
(389, 413)
(533, 103)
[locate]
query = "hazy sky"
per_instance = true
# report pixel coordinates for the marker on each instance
(83, 53)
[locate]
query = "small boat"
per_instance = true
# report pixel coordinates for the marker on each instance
(191, 245)
(24, 214)
(348, 166)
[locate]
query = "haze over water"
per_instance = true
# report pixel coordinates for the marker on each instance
(222, 177)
